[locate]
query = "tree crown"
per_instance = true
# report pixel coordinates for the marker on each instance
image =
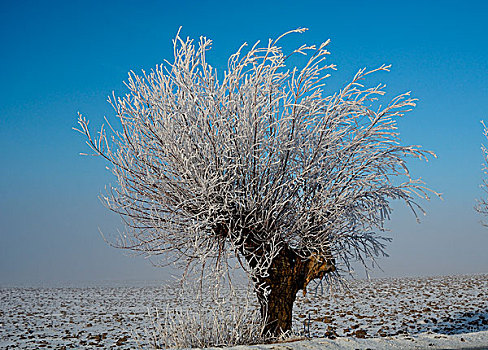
(260, 160)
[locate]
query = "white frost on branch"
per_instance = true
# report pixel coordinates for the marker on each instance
(482, 205)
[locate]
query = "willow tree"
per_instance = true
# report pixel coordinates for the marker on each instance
(257, 164)
(482, 205)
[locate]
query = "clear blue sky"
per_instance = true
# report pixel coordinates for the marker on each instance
(58, 58)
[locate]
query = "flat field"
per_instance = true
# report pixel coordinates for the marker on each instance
(122, 317)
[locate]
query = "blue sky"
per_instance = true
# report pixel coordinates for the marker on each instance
(58, 58)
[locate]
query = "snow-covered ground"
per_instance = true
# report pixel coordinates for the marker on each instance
(372, 314)
(468, 341)
(381, 307)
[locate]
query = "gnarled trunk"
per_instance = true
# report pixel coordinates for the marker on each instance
(277, 306)
(288, 274)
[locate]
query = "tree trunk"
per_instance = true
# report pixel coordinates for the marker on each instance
(287, 275)
(277, 306)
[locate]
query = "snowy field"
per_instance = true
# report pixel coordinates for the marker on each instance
(115, 317)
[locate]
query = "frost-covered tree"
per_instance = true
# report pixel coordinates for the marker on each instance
(258, 165)
(482, 206)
